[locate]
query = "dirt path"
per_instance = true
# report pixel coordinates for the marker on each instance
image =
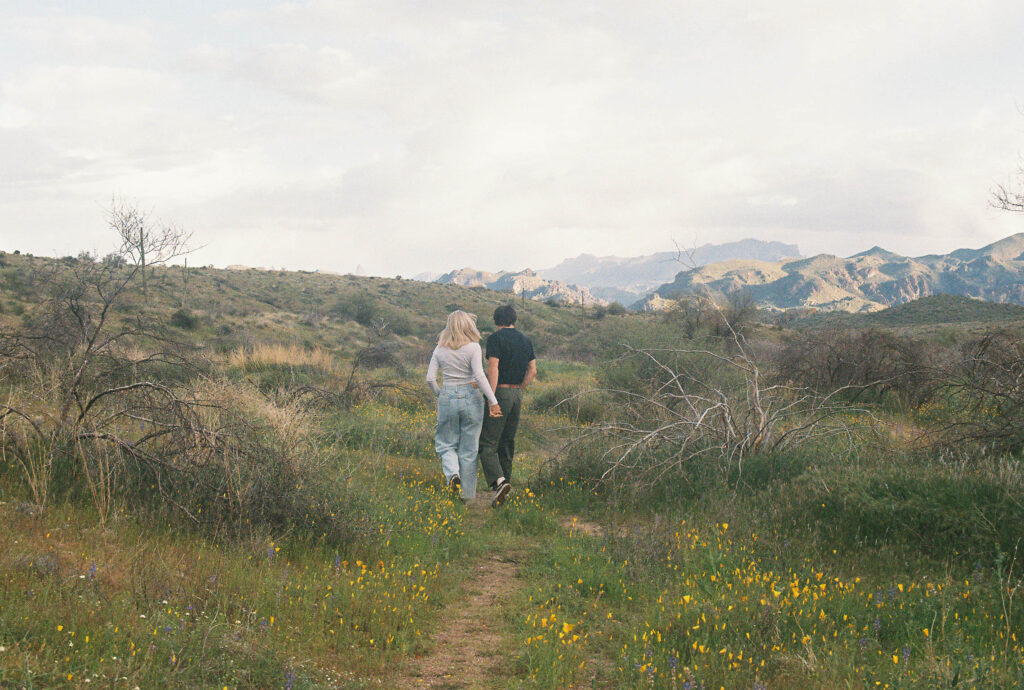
(468, 646)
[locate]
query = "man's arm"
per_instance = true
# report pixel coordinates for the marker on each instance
(492, 372)
(531, 373)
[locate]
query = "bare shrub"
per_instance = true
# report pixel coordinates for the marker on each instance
(143, 243)
(79, 370)
(868, 365)
(707, 405)
(250, 462)
(986, 393)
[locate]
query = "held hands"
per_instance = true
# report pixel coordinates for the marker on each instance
(494, 410)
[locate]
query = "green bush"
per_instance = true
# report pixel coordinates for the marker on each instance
(184, 319)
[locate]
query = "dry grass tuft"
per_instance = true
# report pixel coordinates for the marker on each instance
(264, 355)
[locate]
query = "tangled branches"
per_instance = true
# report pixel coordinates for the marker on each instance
(705, 406)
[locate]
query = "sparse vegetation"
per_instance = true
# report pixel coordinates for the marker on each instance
(244, 492)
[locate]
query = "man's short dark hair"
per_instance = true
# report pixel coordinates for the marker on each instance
(505, 315)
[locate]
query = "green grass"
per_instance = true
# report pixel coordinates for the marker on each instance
(748, 599)
(153, 605)
(875, 563)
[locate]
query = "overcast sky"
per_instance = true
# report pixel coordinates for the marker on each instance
(415, 136)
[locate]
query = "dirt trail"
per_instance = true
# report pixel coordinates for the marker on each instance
(469, 644)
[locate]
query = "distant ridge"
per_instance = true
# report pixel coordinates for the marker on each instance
(524, 284)
(944, 308)
(935, 310)
(865, 282)
(625, 279)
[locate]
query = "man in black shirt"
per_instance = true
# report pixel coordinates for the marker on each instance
(511, 366)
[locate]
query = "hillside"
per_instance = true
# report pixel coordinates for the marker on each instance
(865, 282)
(964, 313)
(526, 284)
(625, 279)
(232, 308)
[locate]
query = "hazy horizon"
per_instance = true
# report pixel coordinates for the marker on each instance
(410, 138)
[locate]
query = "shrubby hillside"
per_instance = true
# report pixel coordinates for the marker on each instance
(225, 308)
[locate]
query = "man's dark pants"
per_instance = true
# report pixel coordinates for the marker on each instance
(498, 437)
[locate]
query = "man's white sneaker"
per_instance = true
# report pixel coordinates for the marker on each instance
(500, 493)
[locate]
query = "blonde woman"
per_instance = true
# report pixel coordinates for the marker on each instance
(460, 401)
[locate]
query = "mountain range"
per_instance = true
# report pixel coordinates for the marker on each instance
(865, 282)
(626, 279)
(526, 284)
(602, 279)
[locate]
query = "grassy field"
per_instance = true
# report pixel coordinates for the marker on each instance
(875, 559)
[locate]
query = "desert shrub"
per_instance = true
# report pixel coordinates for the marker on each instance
(262, 467)
(871, 365)
(616, 309)
(985, 393)
(361, 308)
(398, 322)
(99, 405)
(676, 410)
(184, 319)
(696, 316)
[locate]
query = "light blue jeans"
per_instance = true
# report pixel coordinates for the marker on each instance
(460, 415)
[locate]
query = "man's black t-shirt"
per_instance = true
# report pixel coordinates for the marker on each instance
(514, 352)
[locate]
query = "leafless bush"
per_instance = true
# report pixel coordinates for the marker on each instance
(867, 365)
(704, 405)
(986, 393)
(143, 243)
(78, 369)
(1011, 197)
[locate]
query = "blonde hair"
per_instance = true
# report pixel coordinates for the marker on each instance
(460, 330)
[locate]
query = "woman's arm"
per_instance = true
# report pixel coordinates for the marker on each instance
(432, 374)
(476, 357)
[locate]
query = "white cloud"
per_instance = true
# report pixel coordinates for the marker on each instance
(84, 38)
(409, 136)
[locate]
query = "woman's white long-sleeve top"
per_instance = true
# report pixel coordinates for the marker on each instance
(460, 367)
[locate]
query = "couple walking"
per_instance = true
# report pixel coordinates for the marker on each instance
(465, 428)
